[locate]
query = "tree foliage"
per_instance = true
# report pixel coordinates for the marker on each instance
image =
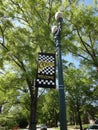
(80, 33)
(48, 108)
(25, 30)
(80, 95)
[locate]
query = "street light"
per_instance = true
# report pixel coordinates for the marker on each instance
(56, 30)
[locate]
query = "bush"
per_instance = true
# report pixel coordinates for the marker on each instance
(22, 122)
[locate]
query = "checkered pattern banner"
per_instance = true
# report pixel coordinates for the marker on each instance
(46, 71)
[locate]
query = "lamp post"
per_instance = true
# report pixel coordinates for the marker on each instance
(56, 30)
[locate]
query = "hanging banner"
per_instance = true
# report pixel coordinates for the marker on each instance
(46, 71)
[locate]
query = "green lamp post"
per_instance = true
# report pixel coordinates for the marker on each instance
(56, 30)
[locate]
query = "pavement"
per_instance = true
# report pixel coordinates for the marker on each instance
(54, 129)
(39, 129)
(47, 128)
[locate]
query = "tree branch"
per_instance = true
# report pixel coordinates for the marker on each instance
(79, 55)
(93, 56)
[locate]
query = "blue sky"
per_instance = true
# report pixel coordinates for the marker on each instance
(72, 59)
(87, 2)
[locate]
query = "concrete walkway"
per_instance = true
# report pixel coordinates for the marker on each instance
(47, 128)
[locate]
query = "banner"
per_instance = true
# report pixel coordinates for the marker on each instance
(46, 71)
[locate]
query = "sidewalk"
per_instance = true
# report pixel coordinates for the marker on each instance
(47, 129)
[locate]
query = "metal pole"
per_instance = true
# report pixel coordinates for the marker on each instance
(57, 35)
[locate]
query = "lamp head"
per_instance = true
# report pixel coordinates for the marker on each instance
(59, 16)
(54, 29)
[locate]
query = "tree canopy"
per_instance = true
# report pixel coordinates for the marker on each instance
(25, 30)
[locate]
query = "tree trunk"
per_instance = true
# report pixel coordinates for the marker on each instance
(0, 109)
(33, 110)
(33, 105)
(79, 117)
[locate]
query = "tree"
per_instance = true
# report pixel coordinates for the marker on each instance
(12, 96)
(80, 33)
(24, 31)
(48, 108)
(80, 89)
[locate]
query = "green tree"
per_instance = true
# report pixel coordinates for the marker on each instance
(80, 89)
(48, 108)
(12, 94)
(80, 31)
(24, 31)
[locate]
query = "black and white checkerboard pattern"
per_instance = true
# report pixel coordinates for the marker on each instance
(50, 70)
(45, 82)
(46, 72)
(46, 58)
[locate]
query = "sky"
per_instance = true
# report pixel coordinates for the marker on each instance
(72, 59)
(88, 2)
